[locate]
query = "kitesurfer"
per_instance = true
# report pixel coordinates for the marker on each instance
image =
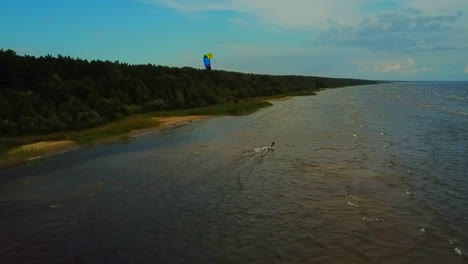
(272, 144)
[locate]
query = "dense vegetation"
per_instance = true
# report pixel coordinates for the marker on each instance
(48, 94)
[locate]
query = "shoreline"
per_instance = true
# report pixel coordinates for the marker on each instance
(165, 122)
(25, 150)
(35, 151)
(41, 149)
(175, 120)
(283, 98)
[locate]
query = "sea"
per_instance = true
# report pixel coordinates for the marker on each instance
(363, 174)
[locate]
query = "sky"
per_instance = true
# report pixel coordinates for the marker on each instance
(369, 39)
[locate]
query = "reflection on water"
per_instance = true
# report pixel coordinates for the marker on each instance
(373, 174)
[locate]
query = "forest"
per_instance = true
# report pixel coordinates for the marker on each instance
(40, 95)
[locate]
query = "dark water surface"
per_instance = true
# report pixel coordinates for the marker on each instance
(371, 174)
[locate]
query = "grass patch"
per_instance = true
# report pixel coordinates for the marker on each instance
(242, 108)
(302, 93)
(112, 130)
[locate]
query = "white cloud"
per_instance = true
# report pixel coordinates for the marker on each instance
(402, 66)
(426, 69)
(307, 14)
(392, 67)
(434, 7)
(300, 14)
(404, 31)
(409, 65)
(389, 38)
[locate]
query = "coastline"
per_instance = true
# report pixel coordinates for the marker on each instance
(24, 150)
(41, 149)
(167, 121)
(283, 98)
(34, 151)
(175, 120)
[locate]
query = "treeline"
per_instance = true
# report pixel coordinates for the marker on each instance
(48, 94)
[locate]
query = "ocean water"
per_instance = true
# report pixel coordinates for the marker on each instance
(368, 174)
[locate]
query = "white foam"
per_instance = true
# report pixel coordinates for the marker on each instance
(262, 149)
(372, 219)
(354, 197)
(34, 158)
(353, 204)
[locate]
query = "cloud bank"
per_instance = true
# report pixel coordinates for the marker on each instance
(359, 38)
(410, 30)
(306, 14)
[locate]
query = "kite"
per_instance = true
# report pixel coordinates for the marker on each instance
(207, 60)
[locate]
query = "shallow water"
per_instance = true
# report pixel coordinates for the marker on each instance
(370, 174)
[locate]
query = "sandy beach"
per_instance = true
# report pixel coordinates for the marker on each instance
(45, 148)
(174, 120)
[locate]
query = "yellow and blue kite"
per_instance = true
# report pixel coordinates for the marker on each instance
(207, 60)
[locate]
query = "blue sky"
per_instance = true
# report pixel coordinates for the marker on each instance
(373, 39)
